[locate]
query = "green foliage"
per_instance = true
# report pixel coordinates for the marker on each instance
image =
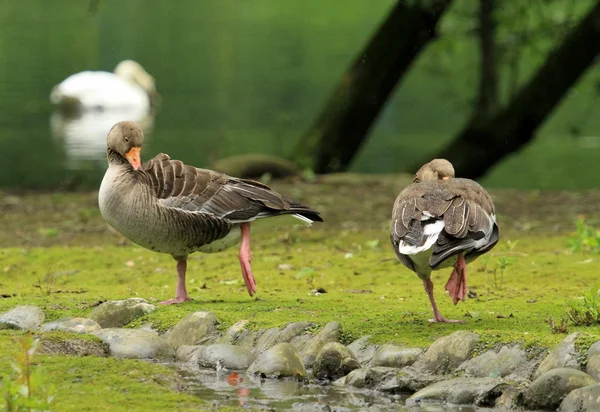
(586, 312)
(586, 237)
(25, 389)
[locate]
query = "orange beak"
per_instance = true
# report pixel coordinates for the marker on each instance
(133, 155)
(443, 177)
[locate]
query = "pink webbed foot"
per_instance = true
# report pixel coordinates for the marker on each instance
(176, 300)
(457, 283)
(181, 292)
(437, 316)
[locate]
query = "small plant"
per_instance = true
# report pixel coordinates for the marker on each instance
(563, 327)
(501, 264)
(586, 238)
(24, 390)
(587, 311)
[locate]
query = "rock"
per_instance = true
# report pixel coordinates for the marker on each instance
(369, 378)
(334, 361)
(495, 364)
(282, 360)
(118, 313)
(389, 380)
(586, 399)
(135, 343)
(266, 340)
(232, 333)
(512, 397)
(395, 356)
(73, 325)
(411, 380)
(447, 353)
(461, 391)
(273, 336)
(563, 355)
(227, 356)
(330, 333)
(25, 317)
(188, 353)
(363, 349)
(247, 339)
(593, 361)
(548, 390)
(195, 329)
(72, 347)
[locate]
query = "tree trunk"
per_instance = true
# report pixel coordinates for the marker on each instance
(338, 132)
(485, 141)
(488, 73)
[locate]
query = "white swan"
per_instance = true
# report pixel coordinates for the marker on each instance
(130, 86)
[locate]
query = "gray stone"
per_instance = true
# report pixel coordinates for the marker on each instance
(460, 391)
(564, 355)
(586, 399)
(282, 360)
(495, 364)
(247, 339)
(447, 353)
(330, 333)
(594, 349)
(195, 329)
(266, 340)
(512, 397)
(222, 355)
(593, 361)
(118, 313)
(73, 325)
(233, 333)
(188, 353)
(334, 361)
(411, 380)
(363, 349)
(25, 317)
(369, 378)
(395, 356)
(288, 334)
(547, 391)
(72, 347)
(135, 343)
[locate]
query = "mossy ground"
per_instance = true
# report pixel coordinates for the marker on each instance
(56, 252)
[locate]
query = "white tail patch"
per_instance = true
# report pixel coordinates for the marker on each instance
(431, 231)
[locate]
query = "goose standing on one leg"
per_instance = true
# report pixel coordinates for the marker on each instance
(173, 208)
(438, 222)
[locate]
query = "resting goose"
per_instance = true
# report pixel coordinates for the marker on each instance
(129, 86)
(439, 221)
(169, 207)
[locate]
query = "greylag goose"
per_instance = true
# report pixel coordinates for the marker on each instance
(440, 221)
(169, 207)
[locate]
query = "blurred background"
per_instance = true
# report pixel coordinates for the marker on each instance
(509, 85)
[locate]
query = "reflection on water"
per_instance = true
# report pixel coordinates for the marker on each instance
(84, 134)
(227, 389)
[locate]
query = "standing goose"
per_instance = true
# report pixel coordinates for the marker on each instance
(173, 208)
(439, 221)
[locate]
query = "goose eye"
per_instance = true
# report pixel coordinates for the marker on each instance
(126, 139)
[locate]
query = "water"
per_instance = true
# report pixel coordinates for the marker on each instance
(279, 394)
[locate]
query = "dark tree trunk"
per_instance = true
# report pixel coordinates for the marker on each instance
(488, 76)
(485, 141)
(338, 132)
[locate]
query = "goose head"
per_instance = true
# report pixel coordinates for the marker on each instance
(133, 72)
(437, 169)
(125, 139)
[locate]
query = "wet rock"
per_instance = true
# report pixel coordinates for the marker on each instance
(330, 333)
(369, 378)
(195, 329)
(247, 339)
(135, 343)
(460, 391)
(266, 340)
(363, 349)
(222, 355)
(118, 313)
(232, 333)
(395, 356)
(495, 364)
(563, 355)
(593, 361)
(188, 353)
(25, 317)
(73, 347)
(288, 334)
(547, 391)
(282, 360)
(411, 380)
(73, 325)
(447, 353)
(334, 361)
(586, 399)
(512, 397)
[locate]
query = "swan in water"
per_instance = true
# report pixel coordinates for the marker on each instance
(128, 87)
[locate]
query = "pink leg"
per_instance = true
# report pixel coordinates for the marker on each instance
(246, 258)
(437, 316)
(181, 293)
(457, 283)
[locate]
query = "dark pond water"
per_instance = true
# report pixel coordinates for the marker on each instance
(236, 76)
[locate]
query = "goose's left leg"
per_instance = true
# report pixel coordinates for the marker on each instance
(180, 293)
(246, 258)
(457, 283)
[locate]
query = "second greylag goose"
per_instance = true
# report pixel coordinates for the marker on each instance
(169, 207)
(440, 221)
